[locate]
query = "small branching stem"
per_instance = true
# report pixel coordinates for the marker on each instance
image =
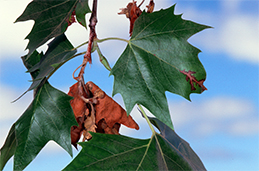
(99, 41)
(92, 36)
(111, 38)
(87, 56)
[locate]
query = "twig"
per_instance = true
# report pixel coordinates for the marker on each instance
(87, 56)
(76, 78)
(141, 3)
(93, 21)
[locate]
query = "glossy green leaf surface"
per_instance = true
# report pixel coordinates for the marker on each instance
(60, 50)
(182, 147)
(82, 8)
(117, 152)
(153, 60)
(49, 117)
(9, 147)
(51, 19)
(32, 61)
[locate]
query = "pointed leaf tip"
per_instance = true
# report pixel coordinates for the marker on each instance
(51, 19)
(49, 117)
(176, 142)
(150, 64)
(81, 10)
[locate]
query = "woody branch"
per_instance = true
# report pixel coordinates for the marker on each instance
(87, 56)
(92, 35)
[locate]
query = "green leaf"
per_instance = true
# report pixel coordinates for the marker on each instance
(9, 147)
(183, 148)
(31, 61)
(60, 51)
(49, 117)
(154, 60)
(51, 19)
(117, 152)
(82, 8)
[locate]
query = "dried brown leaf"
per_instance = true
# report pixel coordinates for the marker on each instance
(132, 11)
(96, 112)
(109, 110)
(150, 6)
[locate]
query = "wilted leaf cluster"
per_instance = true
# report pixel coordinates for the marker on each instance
(96, 112)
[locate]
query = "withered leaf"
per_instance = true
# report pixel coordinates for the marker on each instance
(89, 124)
(80, 110)
(189, 76)
(109, 110)
(150, 6)
(96, 112)
(78, 104)
(76, 131)
(102, 127)
(132, 12)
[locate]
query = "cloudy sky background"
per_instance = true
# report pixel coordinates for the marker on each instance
(221, 125)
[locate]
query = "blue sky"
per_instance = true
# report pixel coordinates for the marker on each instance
(221, 125)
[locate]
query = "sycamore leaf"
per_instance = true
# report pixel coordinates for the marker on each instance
(9, 147)
(165, 151)
(31, 61)
(82, 8)
(49, 117)
(60, 50)
(153, 60)
(183, 148)
(117, 152)
(51, 19)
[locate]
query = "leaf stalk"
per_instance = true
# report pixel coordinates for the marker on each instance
(102, 40)
(148, 121)
(111, 38)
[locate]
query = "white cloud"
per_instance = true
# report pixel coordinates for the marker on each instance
(231, 5)
(223, 115)
(247, 127)
(216, 115)
(222, 108)
(110, 24)
(240, 37)
(10, 112)
(235, 32)
(12, 35)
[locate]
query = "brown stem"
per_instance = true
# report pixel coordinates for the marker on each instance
(87, 56)
(93, 21)
(141, 3)
(92, 35)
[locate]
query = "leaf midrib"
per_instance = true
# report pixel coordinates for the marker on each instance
(149, 89)
(149, 25)
(160, 59)
(51, 7)
(114, 155)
